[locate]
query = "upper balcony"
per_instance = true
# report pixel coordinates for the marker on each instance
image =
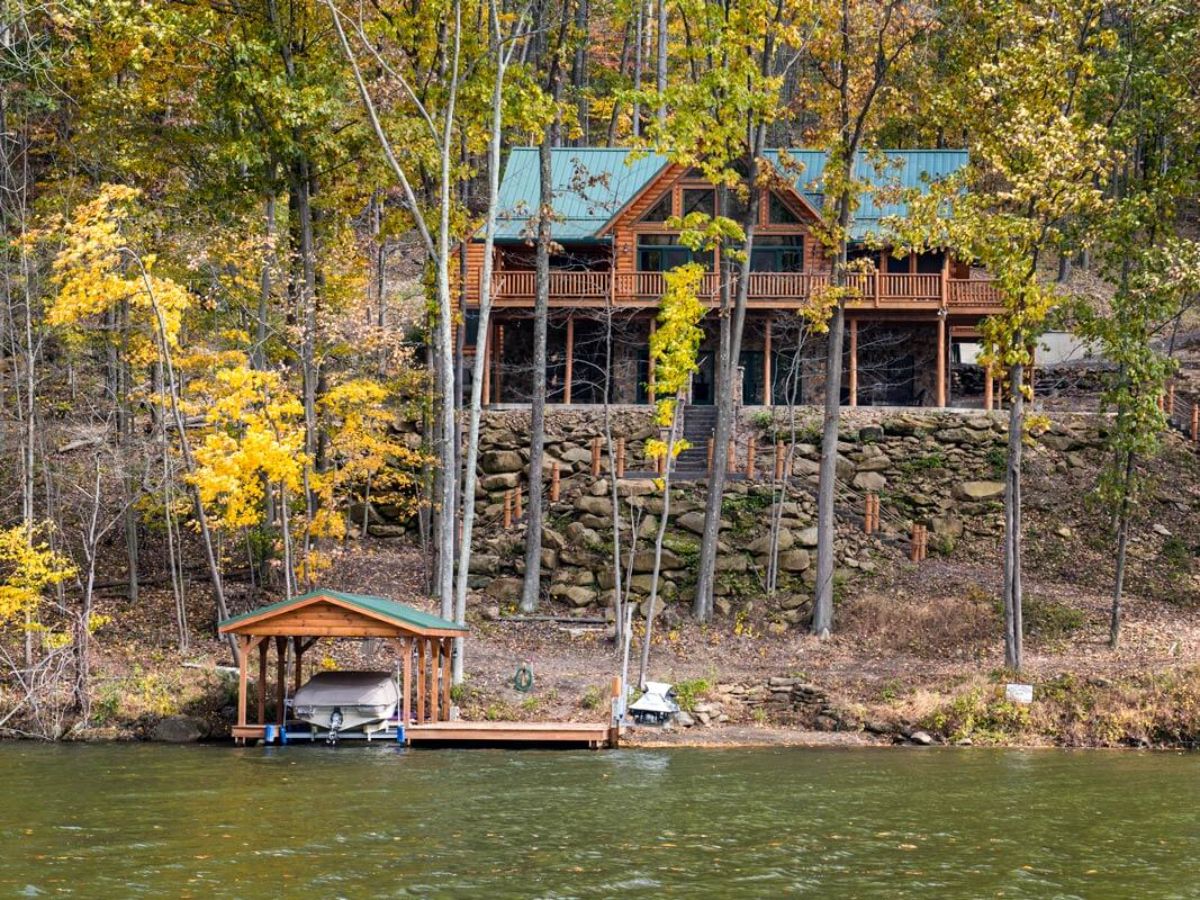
(767, 290)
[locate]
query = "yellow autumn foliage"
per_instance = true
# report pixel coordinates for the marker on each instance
(28, 567)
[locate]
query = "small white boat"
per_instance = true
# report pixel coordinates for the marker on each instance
(347, 701)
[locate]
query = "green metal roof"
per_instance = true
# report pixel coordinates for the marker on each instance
(592, 184)
(903, 169)
(403, 615)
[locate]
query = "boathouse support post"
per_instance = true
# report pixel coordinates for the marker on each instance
(406, 645)
(262, 682)
(243, 657)
(446, 673)
(435, 654)
(421, 642)
(281, 656)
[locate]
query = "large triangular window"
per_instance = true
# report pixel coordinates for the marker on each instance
(779, 213)
(660, 211)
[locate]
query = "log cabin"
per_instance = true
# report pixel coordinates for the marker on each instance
(612, 245)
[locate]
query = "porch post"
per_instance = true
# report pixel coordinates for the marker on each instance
(499, 363)
(650, 377)
(941, 361)
(570, 357)
(768, 394)
(987, 389)
(853, 361)
(487, 364)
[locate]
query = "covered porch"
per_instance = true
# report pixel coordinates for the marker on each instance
(892, 359)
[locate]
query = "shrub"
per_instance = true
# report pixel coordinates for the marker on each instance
(688, 692)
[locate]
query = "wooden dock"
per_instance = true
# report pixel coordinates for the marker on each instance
(580, 734)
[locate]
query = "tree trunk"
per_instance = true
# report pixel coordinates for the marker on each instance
(531, 588)
(1114, 627)
(733, 318)
(1013, 626)
(658, 546)
(660, 68)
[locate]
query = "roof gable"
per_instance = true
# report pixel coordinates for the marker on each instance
(333, 612)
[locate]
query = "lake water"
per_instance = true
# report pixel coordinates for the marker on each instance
(142, 820)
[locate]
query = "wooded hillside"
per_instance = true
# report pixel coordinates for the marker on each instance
(233, 272)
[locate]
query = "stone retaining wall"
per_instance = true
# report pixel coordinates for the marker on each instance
(939, 468)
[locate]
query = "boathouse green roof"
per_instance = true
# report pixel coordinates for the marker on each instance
(593, 184)
(399, 614)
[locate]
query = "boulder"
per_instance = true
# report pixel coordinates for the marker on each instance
(979, 490)
(495, 462)
(500, 482)
(950, 526)
(596, 506)
(179, 730)
(763, 544)
(807, 537)
(870, 481)
(504, 588)
(794, 560)
(692, 521)
(643, 561)
(578, 595)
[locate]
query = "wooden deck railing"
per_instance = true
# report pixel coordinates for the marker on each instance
(639, 288)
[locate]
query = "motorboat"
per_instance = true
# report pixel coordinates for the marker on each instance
(347, 701)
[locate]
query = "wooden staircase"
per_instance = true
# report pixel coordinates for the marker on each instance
(699, 423)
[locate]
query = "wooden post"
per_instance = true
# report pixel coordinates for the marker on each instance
(595, 457)
(750, 452)
(280, 679)
(882, 267)
(487, 365)
(406, 666)
(941, 361)
(914, 549)
(499, 363)
(987, 389)
(518, 511)
(243, 663)
(768, 394)
(710, 455)
(660, 465)
(614, 731)
(508, 509)
(731, 461)
(570, 358)
(435, 654)
(262, 683)
(853, 361)
(421, 642)
(555, 486)
(1170, 399)
(779, 456)
(298, 673)
(650, 373)
(620, 457)
(1196, 422)
(447, 676)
